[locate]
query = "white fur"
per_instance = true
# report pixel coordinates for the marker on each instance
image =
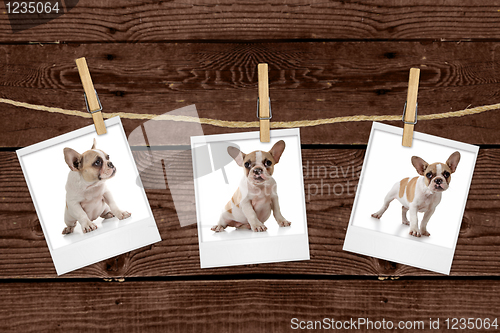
(87, 201)
(258, 157)
(258, 199)
(426, 199)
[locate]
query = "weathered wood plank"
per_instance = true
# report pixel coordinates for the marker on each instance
(307, 81)
(145, 21)
(241, 305)
(337, 170)
(330, 177)
(25, 253)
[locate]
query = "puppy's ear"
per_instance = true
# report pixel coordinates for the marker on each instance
(73, 159)
(94, 144)
(419, 164)
(277, 150)
(236, 154)
(453, 160)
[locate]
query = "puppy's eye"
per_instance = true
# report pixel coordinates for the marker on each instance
(247, 165)
(97, 163)
(268, 163)
(429, 175)
(446, 174)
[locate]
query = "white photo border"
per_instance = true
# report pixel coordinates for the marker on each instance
(119, 241)
(367, 242)
(263, 250)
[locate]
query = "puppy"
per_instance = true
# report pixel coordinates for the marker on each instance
(422, 193)
(256, 195)
(87, 196)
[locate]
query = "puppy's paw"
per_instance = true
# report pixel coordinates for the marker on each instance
(108, 215)
(259, 227)
(284, 223)
(88, 227)
(123, 215)
(415, 233)
(68, 230)
(218, 228)
(377, 215)
(406, 222)
(425, 233)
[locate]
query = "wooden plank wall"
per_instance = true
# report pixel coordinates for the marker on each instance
(327, 59)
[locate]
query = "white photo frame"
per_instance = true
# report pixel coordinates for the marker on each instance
(236, 246)
(46, 173)
(387, 162)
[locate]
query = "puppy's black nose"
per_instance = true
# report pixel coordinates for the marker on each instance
(110, 165)
(257, 171)
(438, 181)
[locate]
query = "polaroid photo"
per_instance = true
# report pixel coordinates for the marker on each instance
(87, 195)
(410, 201)
(251, 208)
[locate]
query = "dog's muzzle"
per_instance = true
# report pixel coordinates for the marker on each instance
(257, 171)
(439, 184)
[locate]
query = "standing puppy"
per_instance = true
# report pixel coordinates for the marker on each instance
(87, 196)
(423, 193)
(256, 195)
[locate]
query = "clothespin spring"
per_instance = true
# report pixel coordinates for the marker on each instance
(258, 110)
(404, 114)
(98, 101)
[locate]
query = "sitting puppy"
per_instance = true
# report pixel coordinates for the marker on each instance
(256, 195)
(423, 193)
(87, 197)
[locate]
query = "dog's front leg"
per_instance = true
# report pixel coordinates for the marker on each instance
(255, 224)
(224, 218)
(113, 207)
(414, 221)
(79, 214)
(425, 219)
(282, 222)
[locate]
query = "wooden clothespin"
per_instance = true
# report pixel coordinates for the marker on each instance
(264, 112)
(411, 107)
(91, 99)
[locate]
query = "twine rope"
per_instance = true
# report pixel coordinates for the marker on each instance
(253, 124)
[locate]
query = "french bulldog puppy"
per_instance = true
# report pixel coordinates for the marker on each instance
(422, 193)
(87, 196)
(256, 195)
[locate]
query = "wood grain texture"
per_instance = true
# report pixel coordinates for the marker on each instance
(332, 168)
(181, 20)
(25, 253)
(326, 59)
(238, 305)
(307, 81)
(330, 176)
